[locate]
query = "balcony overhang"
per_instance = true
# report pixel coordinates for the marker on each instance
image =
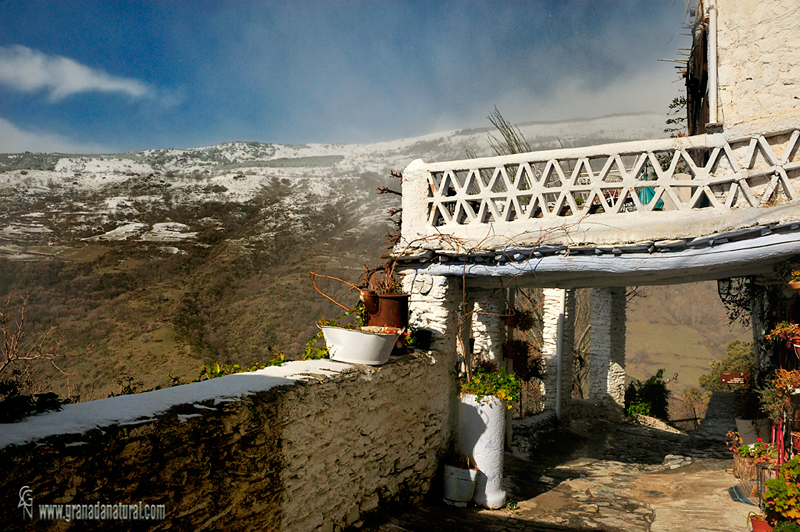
(753, 251)
(645, 212)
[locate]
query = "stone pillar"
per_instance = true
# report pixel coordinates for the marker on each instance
(559, 326)
(433, 306)
(488, 327)
(759, 307)
(607, 350)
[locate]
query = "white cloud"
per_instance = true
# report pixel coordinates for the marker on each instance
(16, 140)
(27, 70)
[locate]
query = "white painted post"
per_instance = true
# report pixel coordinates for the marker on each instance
(607, 350)
(558, 335)
(488, 328)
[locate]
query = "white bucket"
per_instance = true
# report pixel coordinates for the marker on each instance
(459, 485)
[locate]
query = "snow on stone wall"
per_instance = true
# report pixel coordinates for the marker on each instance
(306, 446)
(758, 62)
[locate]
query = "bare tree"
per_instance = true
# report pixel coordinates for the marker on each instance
(20, 356)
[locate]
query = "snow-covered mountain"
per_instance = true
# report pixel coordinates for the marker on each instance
(163, 260)
(54, 200)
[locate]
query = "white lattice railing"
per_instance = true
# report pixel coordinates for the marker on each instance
(598, 193)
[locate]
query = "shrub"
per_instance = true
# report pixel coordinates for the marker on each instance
(651, 395)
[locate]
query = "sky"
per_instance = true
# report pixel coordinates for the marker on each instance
(114, 76)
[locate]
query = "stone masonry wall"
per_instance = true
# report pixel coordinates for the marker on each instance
(607, 349)
(308, 446)
(758, 62)
(488, 327)
(552, 311)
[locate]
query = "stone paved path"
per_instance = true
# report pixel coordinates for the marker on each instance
(603, 476)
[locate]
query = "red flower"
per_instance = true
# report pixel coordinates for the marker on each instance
(759, 440)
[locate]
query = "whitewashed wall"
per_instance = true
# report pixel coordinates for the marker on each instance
(759, 62)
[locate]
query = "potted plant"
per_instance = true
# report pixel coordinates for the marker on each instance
(368, 345)
(522, 320)
(486, 395)
(383, 296)
(460, 476)
(782, 496)
(747, 457)
(794, 281)
(786, 333)
(758, 522)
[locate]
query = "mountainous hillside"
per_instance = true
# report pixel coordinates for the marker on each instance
(163, 260)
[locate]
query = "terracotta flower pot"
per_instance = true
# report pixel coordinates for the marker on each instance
(795, 285)
(759, 525)
(386, 309)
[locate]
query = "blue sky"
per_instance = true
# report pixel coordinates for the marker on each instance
(109, 76)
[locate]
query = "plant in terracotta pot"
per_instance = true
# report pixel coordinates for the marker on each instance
(758, 522)
(794, 281)
(782, 495)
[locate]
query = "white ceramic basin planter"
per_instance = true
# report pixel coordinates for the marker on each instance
(481, 434)
(350, 345)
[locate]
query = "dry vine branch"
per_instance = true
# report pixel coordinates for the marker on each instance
(314, 276)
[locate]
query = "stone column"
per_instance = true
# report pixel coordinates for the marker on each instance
(559, 326)
(488, 327)
(759, 307)
(607, 350)
(433, 306)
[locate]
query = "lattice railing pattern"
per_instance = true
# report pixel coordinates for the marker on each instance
(656, 176)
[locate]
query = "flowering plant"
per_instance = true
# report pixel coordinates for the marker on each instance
(795, 275)
(782, 494)
(785, 332)
(759, 450)
(486, 380)
(734, 441)
(787, 380)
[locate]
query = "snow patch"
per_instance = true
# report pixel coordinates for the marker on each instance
(123, 232)
(144, 407)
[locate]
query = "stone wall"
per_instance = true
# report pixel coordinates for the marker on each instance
(307, 446)
(607, 348)
(758, 62)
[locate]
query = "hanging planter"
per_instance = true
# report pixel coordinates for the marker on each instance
(794, 282)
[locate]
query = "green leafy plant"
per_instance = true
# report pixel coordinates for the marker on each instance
(487, 380)
(782, 495)
(739, 358)
(637, 409)
(215, 370)
(651, 394)
(786, 526)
